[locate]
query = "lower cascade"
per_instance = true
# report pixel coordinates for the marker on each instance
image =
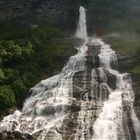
(88, 100)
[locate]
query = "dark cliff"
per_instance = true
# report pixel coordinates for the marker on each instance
(60, 13)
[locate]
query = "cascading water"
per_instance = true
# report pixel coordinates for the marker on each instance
(109, 125)
(80, 103)
(82, 28)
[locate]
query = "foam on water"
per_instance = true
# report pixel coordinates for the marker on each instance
(109, 125)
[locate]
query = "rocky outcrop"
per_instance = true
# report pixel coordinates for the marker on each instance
(35, 12)
(126, 62)
(15, 135)
(7, 112)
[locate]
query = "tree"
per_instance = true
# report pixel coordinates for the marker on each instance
(28, 50)
(2, 77)
(7, 98)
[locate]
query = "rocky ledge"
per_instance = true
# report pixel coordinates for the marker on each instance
(15, 135)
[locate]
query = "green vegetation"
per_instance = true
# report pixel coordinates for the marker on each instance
(26, 57)
(7, 97)
(136, 70)
(136, 81)
(126, 43)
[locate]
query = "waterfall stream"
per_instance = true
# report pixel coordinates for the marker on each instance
(85, 101)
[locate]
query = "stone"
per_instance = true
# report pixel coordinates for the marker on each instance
(15, 135)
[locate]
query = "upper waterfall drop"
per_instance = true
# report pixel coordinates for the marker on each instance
(81, 32)
(82, 28)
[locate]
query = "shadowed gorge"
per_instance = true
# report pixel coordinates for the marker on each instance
(88, 100)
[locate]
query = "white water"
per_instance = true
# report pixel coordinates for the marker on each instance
(109, 125)
(48, 105)
(82, 28)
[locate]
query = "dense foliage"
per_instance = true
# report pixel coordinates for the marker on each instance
(26, 57)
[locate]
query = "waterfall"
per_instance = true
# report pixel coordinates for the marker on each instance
(108, 125)
(82, 28)
(85, 101)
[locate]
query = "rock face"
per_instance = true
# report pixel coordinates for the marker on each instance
(33, 12)
(126, 62)
(61, 13)
(15, 135)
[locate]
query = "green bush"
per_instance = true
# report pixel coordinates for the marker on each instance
(136, 69)
(7, 98)
(19, 91)
(25, 61)
(2, 77)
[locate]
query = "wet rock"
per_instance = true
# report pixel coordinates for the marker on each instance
(89, 62)
(15, 135)
(7, 112)
(111, 79)
(77, 91)
(73, 123)
(128, 124)
(92, 56)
